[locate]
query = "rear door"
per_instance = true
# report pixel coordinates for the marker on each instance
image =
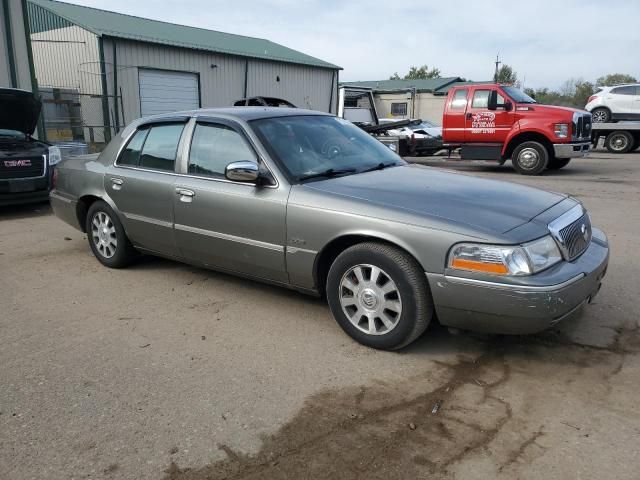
(622, 99)
(483, 125)
(229, 225)
(141, 184)
(453, 124)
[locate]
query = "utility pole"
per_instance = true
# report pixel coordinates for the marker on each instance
(498, 62)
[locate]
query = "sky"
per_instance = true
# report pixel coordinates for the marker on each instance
(545, 41)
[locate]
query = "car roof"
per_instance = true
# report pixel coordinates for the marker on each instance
(244, 113)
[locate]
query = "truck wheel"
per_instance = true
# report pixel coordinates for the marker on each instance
(379, 295)
(107, 238)
(530, 158)
(619, 142)
(558, 163)
(601, 115)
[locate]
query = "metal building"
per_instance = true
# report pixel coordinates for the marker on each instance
(98, 70)
(16, 69)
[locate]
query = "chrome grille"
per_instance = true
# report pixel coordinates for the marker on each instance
(572, 232)
(581, 126)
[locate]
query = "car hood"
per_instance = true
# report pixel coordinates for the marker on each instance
(551, 109)
(19, 110)
(490, 206)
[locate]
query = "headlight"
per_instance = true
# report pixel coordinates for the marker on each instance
(505, 260)
(54, 155)
(561, 130)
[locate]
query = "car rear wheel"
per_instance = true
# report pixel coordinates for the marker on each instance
(601, 115)
(379, 295)
(107, 238)
(558, 163)
(530, 158)
(619, 142)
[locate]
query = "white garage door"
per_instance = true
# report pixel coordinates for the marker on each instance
(165, 92)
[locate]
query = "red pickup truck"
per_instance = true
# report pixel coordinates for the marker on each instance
(499, 122)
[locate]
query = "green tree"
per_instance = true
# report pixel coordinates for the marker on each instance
(615, 79)
(505, 74)
(418, 73)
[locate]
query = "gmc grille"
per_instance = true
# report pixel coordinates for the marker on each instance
(22, 167)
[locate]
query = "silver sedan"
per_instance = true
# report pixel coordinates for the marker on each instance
(310, 202)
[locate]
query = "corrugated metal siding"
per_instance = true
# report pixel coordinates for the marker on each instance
(305, 87)
(5, 77)
(20, 50)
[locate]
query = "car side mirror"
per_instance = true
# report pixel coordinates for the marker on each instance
(508, 106)
(243, 171)
(492, 103)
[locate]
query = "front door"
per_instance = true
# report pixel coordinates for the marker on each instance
(141, 184)
(487, 126)
(229, 225)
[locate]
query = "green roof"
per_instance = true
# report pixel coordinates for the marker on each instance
(112, 24)
(424, 85)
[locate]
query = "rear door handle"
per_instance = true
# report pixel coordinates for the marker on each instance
(116, 183)
(186, 195)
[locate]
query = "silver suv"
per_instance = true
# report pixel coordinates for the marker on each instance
(610, 104)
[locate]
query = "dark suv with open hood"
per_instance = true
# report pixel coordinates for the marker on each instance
(26, 164)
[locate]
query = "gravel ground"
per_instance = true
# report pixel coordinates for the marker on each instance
(166, 371)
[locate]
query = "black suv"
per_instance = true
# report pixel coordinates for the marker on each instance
(26, 164)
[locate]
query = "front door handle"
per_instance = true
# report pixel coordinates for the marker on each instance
(116, 183)
(186, 195)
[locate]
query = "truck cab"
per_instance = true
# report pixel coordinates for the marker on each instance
(500, 122)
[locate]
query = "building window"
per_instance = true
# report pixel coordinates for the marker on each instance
(399, 109)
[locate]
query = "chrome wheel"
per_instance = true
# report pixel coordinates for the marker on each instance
(370, 299)
(528, 158)
(103, 234)
(619, 142)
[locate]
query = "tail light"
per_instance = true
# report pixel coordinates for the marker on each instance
(592, 98)
(54, 178)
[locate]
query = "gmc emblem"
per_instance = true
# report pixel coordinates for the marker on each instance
(17, 163)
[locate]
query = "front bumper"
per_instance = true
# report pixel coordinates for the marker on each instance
(571, 150)
(503, 308)
(20, 191)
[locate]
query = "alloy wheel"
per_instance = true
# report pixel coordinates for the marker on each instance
(103, 234)
(370, 299)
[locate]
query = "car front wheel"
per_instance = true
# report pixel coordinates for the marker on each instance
(107, 238)
(379, 295)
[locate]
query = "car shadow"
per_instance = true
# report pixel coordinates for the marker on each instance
(31, 210)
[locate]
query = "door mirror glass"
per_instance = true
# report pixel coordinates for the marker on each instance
(243, 171)
(508, 106)
(492, 103)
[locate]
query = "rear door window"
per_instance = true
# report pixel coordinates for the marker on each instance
(131, 154)
(630, 90)
(160, 147)
(459, 101)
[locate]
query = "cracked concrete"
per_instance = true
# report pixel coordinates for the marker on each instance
(163, 371)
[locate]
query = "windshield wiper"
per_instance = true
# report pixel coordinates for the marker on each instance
(331, 172)
(379, 166)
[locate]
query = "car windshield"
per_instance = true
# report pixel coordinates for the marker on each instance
(518, 96)
(316, 146)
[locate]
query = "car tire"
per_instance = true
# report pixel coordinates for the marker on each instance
(530, 158)
(558, 163)
(387, 312)
(107, 238)
(619, 142)
(601, 115)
